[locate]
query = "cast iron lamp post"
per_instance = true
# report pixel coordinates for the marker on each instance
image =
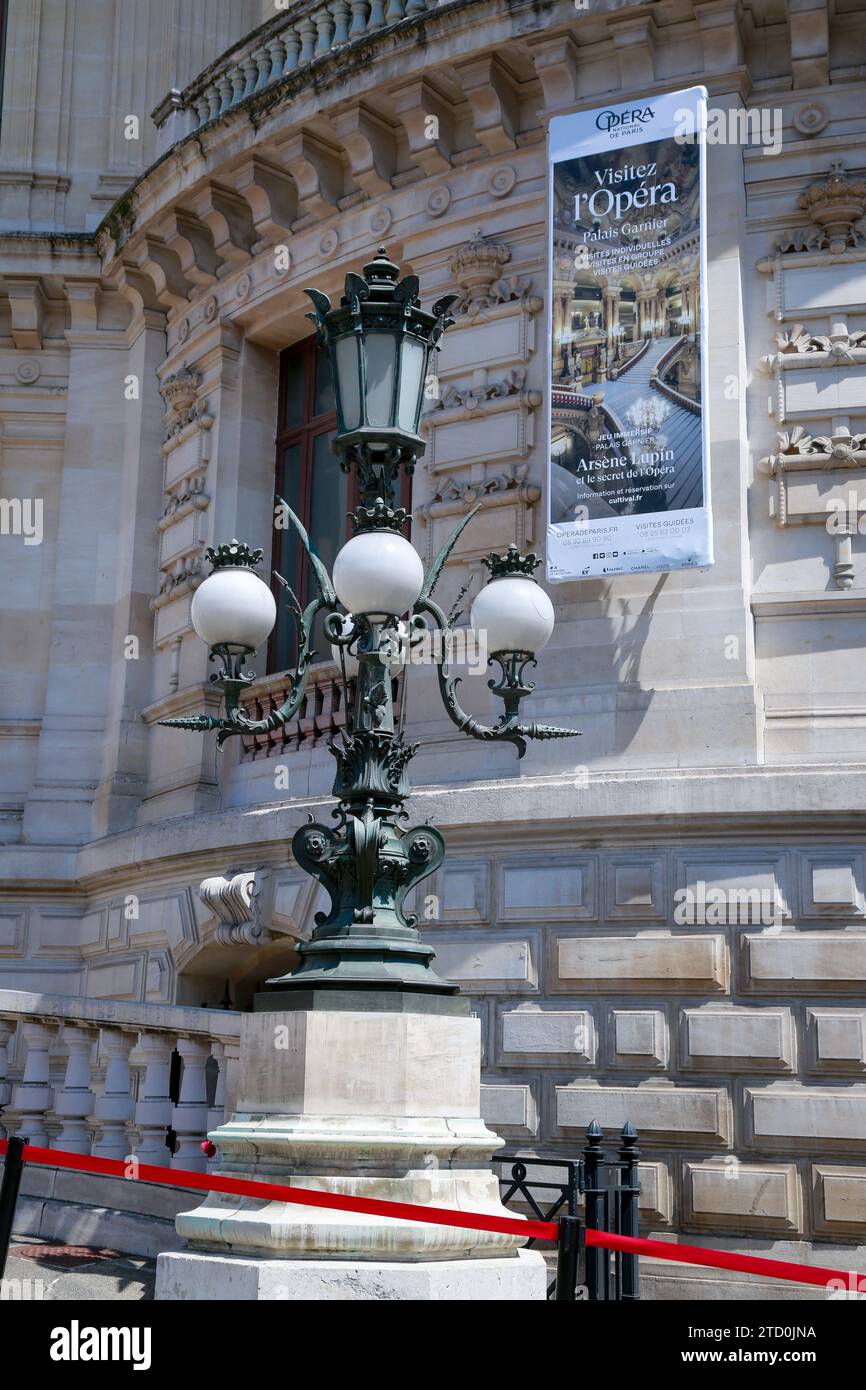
(379, 341)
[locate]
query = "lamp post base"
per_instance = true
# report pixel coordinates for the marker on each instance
(364, 1103)
(188, 1276)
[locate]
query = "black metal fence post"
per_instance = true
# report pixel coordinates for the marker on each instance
(567, 1251)
(596, 1259)
(12, 1170)
(630, 1193)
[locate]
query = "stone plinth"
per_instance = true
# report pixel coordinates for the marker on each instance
(371, 1104)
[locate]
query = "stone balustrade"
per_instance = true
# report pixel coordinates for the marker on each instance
(297, 38)
(94, 1075)
(321, 714)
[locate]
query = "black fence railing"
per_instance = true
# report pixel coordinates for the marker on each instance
(608, 1190)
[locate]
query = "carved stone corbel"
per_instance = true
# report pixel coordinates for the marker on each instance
(236, 900)
(317, 169)
(272, 197)
(491, 90)
(371, 147)
(415, 105)
(228, 218)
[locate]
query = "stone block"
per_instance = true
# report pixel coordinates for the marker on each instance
(509, 1109)
(194, 1277)
(636, 964)
(839, 1199)
(831, 886)
(533, 1034)
(319, 1063)
(789, 1117)
(836, 1039)
(675, 1114)
(488, 966)
(718, 891)
(728, 1193)
(635, 888)
(655, 1203)
(465, 892)
(547, 890)
(800, 962)
(639, 1039)
(732, 1039)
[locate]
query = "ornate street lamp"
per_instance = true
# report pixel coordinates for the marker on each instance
(379, 341)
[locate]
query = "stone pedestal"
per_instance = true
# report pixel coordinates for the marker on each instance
(369, 1103)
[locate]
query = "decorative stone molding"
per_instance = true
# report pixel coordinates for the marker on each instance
(474, 397)
(236, 900)
(452, 497)
(836, 206)
(182, 527)
(797, 450)
(825, 349)
(179, 392)
(805, 494)
(476, 268)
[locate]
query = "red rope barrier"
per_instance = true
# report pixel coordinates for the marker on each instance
(278, 1192)
(721, 1259)
(440, 1216)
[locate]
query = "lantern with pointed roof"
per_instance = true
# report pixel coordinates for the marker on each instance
(379, 341)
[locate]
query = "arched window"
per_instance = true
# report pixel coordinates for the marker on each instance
(309, 477)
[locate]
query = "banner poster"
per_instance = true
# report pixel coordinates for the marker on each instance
(628, 483)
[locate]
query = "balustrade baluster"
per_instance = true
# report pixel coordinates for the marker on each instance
(307, 31)
(190, 1115)
(114, 1108)
(153, 1108)
(359, 18)
(250, 70)
(325, 26)
(224, 87)
(415, 7)
(262, 60)
(75, 1102)
(394, 11)
(33, 1095)
(377, 14)
(290, 44)
(214, 100)
(216, 1112)
(340, 12)
(201, 106)
(7, 1028)
(237, 77)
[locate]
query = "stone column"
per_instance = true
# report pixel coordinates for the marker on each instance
(377, 1102)
(83, 593)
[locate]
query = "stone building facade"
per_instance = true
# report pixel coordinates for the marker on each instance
(665, 921)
